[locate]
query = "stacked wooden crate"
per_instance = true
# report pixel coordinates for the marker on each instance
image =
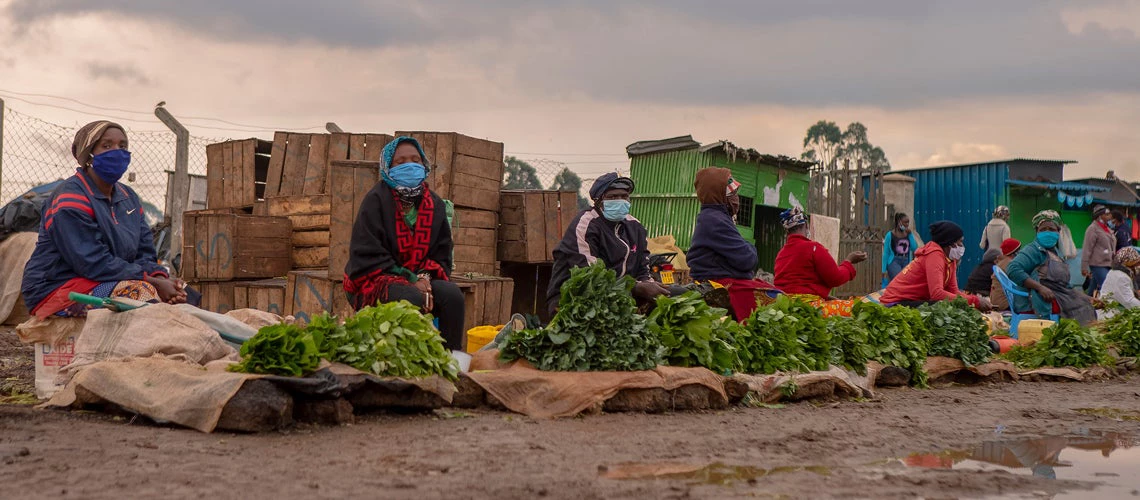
(469, 172)
(226, 248)
(309, 215)
(236, 172)
(532, 224)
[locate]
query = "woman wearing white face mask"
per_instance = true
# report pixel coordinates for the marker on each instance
(932, 275)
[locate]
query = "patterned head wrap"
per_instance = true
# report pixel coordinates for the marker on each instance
(87, 137)
(1127, 257)
(793, 218)
(1046, 216)
(405, 193)
(1001, 212)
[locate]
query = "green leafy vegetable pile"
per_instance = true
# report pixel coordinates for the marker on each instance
(787, 335)
(1123, 331)
(957, 331)
(281, 349)
(391, 339)
(694, 334)
(849, 344)
(896, 336)
(597, 328)
(1066, 343)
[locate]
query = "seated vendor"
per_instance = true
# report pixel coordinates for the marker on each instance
(401, 243)
(94, 238)
(1041, 270)
(718, 252)
(1120, 284)
(982, 276)
(1009, 249)
(606, 232)
(933, 274)
(805, 268)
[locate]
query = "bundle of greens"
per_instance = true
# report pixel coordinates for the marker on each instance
(848, 343)
(391, 339)
(597, 328)
(694, 334)
(787, 335)
(957, 331)
(1066, 343)
(1123, 332)
(896, 336)
(281, 349)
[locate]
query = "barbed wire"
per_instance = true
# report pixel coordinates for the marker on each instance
(37, 152)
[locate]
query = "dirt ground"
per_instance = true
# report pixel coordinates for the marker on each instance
(805, 450)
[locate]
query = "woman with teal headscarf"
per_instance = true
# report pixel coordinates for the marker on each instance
(401, 243)
(1041, 270)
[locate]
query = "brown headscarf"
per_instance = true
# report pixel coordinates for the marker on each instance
(87, 137)
(711, 185)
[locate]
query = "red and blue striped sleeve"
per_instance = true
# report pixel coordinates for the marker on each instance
(70, 223)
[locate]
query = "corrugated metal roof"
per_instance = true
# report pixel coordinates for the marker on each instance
(661, 146)
(1010, 160)
(1116, 203)
(1063, 186)
(749, 155)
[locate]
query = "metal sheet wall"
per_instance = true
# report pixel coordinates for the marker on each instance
(966, 195)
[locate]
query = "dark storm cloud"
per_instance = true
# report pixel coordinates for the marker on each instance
(118, 73)
(727, 52)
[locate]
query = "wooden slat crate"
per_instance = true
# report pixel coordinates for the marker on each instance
(349, 183)
(533, 223)
(531, 283)
(465, 170)
(299, 164)
(263, 295)
(236, 172)
(217, 296)
(224, 247)
(309, 293)
(474, 235)
(310, 217)
(488, 302)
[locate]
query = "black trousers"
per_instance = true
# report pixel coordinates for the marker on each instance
(448, 308)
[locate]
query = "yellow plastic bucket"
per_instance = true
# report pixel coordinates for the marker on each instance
(480, 336)
(1029, 330)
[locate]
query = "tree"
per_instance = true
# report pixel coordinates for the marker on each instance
(855, 147)
(566, 180)
(520, 174)
(821, 144)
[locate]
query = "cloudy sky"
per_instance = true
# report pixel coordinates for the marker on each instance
(936, 82)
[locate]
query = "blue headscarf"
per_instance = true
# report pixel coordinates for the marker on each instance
(406, 193)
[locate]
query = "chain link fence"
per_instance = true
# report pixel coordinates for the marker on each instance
(37, 152)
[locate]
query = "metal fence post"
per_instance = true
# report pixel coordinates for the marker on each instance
(333, 128)
(181, 181)
(2, 143)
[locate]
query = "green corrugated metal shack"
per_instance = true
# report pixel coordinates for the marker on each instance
(666, 203)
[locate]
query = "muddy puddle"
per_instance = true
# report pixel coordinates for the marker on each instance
(1109, 459)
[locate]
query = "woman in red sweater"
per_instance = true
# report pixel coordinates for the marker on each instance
(932, 275)
(805, 268)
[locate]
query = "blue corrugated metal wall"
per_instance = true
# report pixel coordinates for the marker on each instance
(966, 195)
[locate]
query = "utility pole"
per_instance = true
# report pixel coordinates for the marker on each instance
(333, 128)
(1, 142)
(181, 188)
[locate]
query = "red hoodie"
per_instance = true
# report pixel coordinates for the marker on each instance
(929, 277)
(804, 267)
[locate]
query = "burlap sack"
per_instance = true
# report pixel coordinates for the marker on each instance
(14, 254)
(51, 331)
(155, 329)
(835, 382)
(668, 244)
(942, 369)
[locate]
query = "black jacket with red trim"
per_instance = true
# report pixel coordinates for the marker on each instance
(621, 245)
(84, 234)
(374, 245)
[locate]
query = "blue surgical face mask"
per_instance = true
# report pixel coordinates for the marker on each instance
(111, 165)
(615, 210)
(408, 174)
(1048, 239)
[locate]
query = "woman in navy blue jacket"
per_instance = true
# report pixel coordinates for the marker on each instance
(94, 238)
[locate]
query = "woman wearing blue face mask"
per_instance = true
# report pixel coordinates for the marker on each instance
(606, 232)
(94, 238)
(401, 243)
(1039, 269)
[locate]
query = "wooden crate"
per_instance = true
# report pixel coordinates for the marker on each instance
(465, 170)
(474, 235)
(263, 295)
(533, 223)
(236, 172)
(310, 217)
(488, 302)
(531, 283)
(350, 182)
(309, 293)
(300, 163)
(217, 296)
(226, 246)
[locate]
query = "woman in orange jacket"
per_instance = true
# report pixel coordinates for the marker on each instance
(932, 275)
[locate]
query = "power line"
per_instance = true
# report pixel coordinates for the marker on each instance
(566, 154)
